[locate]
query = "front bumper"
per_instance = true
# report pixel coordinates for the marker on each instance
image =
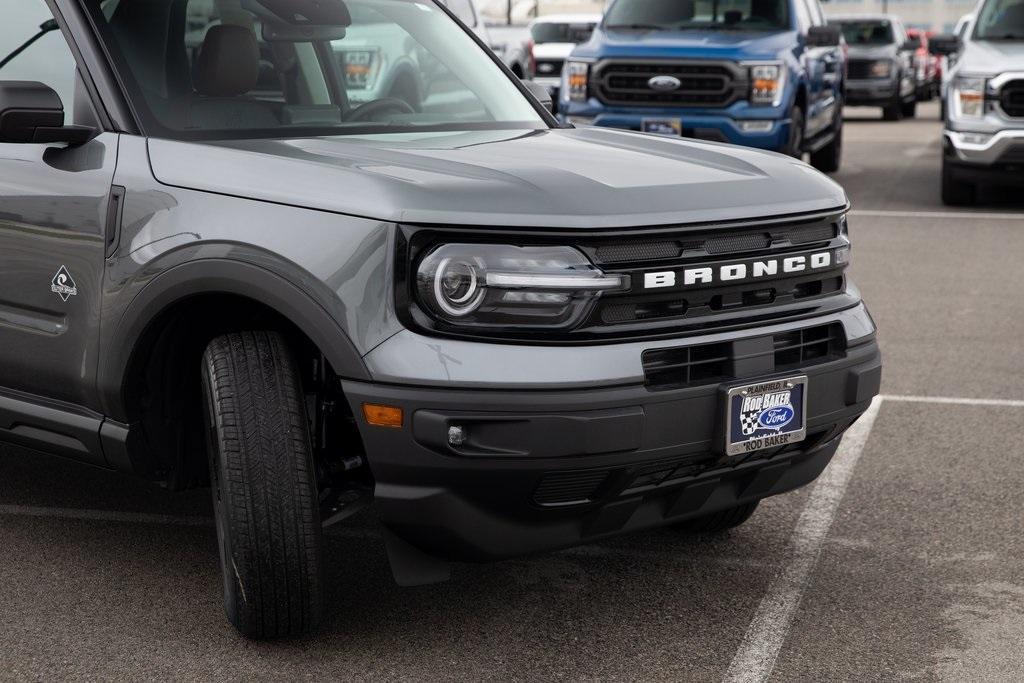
(870, 92)
(716, 126)
(1004, 147)
(549, 469)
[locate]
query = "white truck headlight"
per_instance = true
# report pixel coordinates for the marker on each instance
(969, 96)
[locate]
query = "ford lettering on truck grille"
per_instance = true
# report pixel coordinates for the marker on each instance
(741, 271)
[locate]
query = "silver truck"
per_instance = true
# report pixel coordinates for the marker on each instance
(984, 104)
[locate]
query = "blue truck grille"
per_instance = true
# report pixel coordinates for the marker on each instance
(704, 84)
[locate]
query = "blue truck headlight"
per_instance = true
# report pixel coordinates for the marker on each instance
(766, 84)
(576, 78)
(506, 286)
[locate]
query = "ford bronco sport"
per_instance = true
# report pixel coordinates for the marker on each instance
(507, 335)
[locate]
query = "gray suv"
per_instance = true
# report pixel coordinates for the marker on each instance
(881, 68)
(222, 269)
(984, 103)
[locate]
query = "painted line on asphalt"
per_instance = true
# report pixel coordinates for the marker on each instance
(962, 215)
(945, 400)
(755, 659)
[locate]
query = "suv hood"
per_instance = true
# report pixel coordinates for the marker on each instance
(992, 57)
(738, 45)
(564, 178)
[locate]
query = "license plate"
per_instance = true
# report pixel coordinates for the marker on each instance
(766, 415)
(668, 127)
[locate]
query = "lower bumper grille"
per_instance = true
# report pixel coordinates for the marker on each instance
(678, 368)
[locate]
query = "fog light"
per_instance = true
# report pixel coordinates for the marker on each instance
(756, 126)
(382, 416)
(974, 138)
(456, 436)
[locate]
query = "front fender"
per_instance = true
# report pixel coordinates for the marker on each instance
(316, 320)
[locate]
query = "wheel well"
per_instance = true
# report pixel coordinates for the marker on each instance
(801, 98)
(163, 390)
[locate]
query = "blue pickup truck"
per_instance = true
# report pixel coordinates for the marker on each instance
(762, 73)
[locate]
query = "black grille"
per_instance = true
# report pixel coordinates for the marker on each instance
(569, 488)
(715, 243)
(1012, 98)
(860, 69)
(549, 68)
(689, 366)
(701, 84)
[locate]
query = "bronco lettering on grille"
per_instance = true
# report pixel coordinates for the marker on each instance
(738, 272)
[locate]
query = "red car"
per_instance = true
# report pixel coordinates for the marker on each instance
(929, 67)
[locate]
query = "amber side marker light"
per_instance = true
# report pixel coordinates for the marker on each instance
(382, 416)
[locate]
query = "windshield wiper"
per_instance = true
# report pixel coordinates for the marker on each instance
(44, 28)
(637, 27)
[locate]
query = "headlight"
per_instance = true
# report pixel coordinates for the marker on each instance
(502, 286)
(969, 96)
(576, 77)
(881, 69)
(766, 84)
(361, 68)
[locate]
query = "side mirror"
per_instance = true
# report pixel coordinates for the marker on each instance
(824, 36)
(945, 45)
(912, 45)
(32, 113)
(542, 94)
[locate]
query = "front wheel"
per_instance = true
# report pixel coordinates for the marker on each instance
(956, 192)
(910, 109)
(829, 158)
(264, 488)
(720, 521)
(795, 145)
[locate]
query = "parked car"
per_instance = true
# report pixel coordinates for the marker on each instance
(927, 66)
(552, 40)
(881, 71)
(760, 73)
(507, 335)
(984, 104)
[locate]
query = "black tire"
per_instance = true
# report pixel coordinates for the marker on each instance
(894, 110)
(910, 109)
(795, 145)
(956, 192)
(264, 486)
(717, 522)
(829, 158)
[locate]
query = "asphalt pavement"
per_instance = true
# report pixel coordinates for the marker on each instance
(905, 561)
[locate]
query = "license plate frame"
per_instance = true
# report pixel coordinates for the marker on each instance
(665, 126)
(766, 414)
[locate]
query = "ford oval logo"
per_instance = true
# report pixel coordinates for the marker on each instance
(776, 418)
(664, 83)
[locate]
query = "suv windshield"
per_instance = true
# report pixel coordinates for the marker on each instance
(562, 32)
(667, 15)
(208, 69)
(1001, 20)
(877, 32)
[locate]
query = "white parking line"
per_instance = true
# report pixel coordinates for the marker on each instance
(770, 626)
(943, 400)
(929, 215)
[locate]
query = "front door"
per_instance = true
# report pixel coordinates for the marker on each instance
(53, 203)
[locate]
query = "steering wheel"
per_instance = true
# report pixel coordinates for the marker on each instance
(367, 112)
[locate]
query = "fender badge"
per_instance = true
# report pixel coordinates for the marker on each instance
(63, 284)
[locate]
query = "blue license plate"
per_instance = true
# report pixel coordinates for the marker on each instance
(766, 415)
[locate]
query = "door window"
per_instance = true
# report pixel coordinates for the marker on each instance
(34, 49)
